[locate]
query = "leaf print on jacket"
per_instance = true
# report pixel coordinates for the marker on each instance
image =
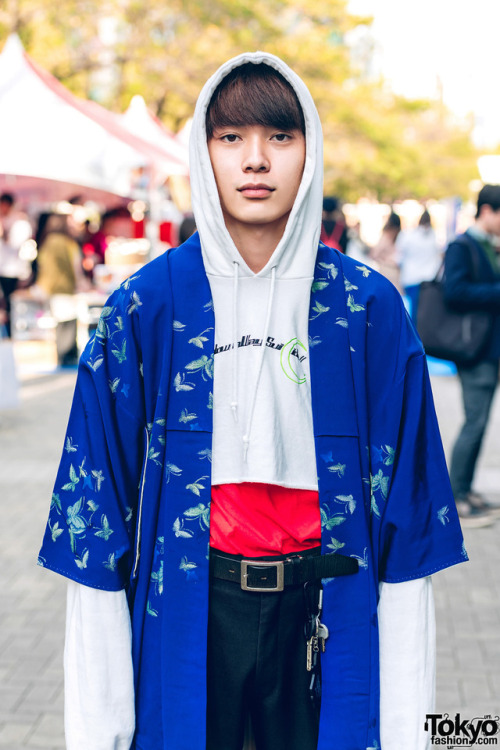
(388, 454)
(156, 578)
(187, 417)
(200, 339)
(314, 341)
(105, 531)
(135, 303)
(364, 270)
(442, 514)
(335, 545)
(204, 364)
(153, 456)
(189, 569)
(102, 330)
(180, 531)
(172, 470)
(363, 561)
(379, 483)
(96, 362)
(113, 385)
(126, 284)
(55, 530)
(196, 486)
(77, 524)
(348, 501)
(319, 309)
(110, 563)
(318, 286)
(338, 469)
(180, 383)
(83, 560)
(69, 445)
(73, 480)
(120, 354)
(205, 453)
(353, 306)
(99, 478)
(201, 513)
(55, 503)
(329, 519)
(331, 268)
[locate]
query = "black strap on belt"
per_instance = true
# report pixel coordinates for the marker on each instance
(260, 575)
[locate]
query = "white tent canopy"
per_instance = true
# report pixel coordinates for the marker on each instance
(140, 121)
(49, 134)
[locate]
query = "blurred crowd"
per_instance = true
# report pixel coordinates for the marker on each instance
(461, 324)
(406, 256)
(54, 261)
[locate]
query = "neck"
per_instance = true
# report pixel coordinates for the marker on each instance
(256, 243)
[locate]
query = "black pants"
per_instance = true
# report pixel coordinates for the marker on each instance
(257, 665)
(67, 349)
(479, 383)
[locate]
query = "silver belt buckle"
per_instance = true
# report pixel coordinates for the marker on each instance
(280, 575)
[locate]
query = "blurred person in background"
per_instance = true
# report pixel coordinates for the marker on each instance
(333, 226)
(93, 243)
(419, 257)
(3, 314)
(472, 282)
(59, 277)
(15, 230)
(356, 246)
(187, 228)
(384, 253)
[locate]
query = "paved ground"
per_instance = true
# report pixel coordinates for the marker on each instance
(32, 606)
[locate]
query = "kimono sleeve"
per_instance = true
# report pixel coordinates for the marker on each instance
(89, 534)
(415, 524)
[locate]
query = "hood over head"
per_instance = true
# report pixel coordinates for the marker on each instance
(295, 254)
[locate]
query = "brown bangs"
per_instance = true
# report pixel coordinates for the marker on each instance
(254, 95)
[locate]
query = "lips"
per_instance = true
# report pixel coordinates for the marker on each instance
(258, 190)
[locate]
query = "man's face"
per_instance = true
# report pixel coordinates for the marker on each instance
(491, 220)
(258, 172)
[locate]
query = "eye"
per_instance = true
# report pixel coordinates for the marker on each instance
(281, 137)
(230, 138)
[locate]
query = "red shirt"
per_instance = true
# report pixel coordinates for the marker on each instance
(255, 519)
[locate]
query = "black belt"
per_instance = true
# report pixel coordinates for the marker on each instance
(261, 575)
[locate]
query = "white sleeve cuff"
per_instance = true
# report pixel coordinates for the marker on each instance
(407, 663)
(99, 709)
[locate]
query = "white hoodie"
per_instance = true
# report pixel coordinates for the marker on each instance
(262, 396)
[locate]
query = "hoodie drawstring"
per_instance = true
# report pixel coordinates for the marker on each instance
(234, 398)
(246, 436)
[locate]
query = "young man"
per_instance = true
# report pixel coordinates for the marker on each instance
(252, 452)
(472, 282)
(15, 230)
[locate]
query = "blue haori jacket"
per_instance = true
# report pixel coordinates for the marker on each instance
(131, 504)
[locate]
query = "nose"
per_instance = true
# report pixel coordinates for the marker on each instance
(255, 158)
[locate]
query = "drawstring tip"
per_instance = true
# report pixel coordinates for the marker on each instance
(246, 443)
(234, 409)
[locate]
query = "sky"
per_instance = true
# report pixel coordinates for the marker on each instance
(456, 42)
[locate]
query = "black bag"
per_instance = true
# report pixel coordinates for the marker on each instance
(447, 334)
